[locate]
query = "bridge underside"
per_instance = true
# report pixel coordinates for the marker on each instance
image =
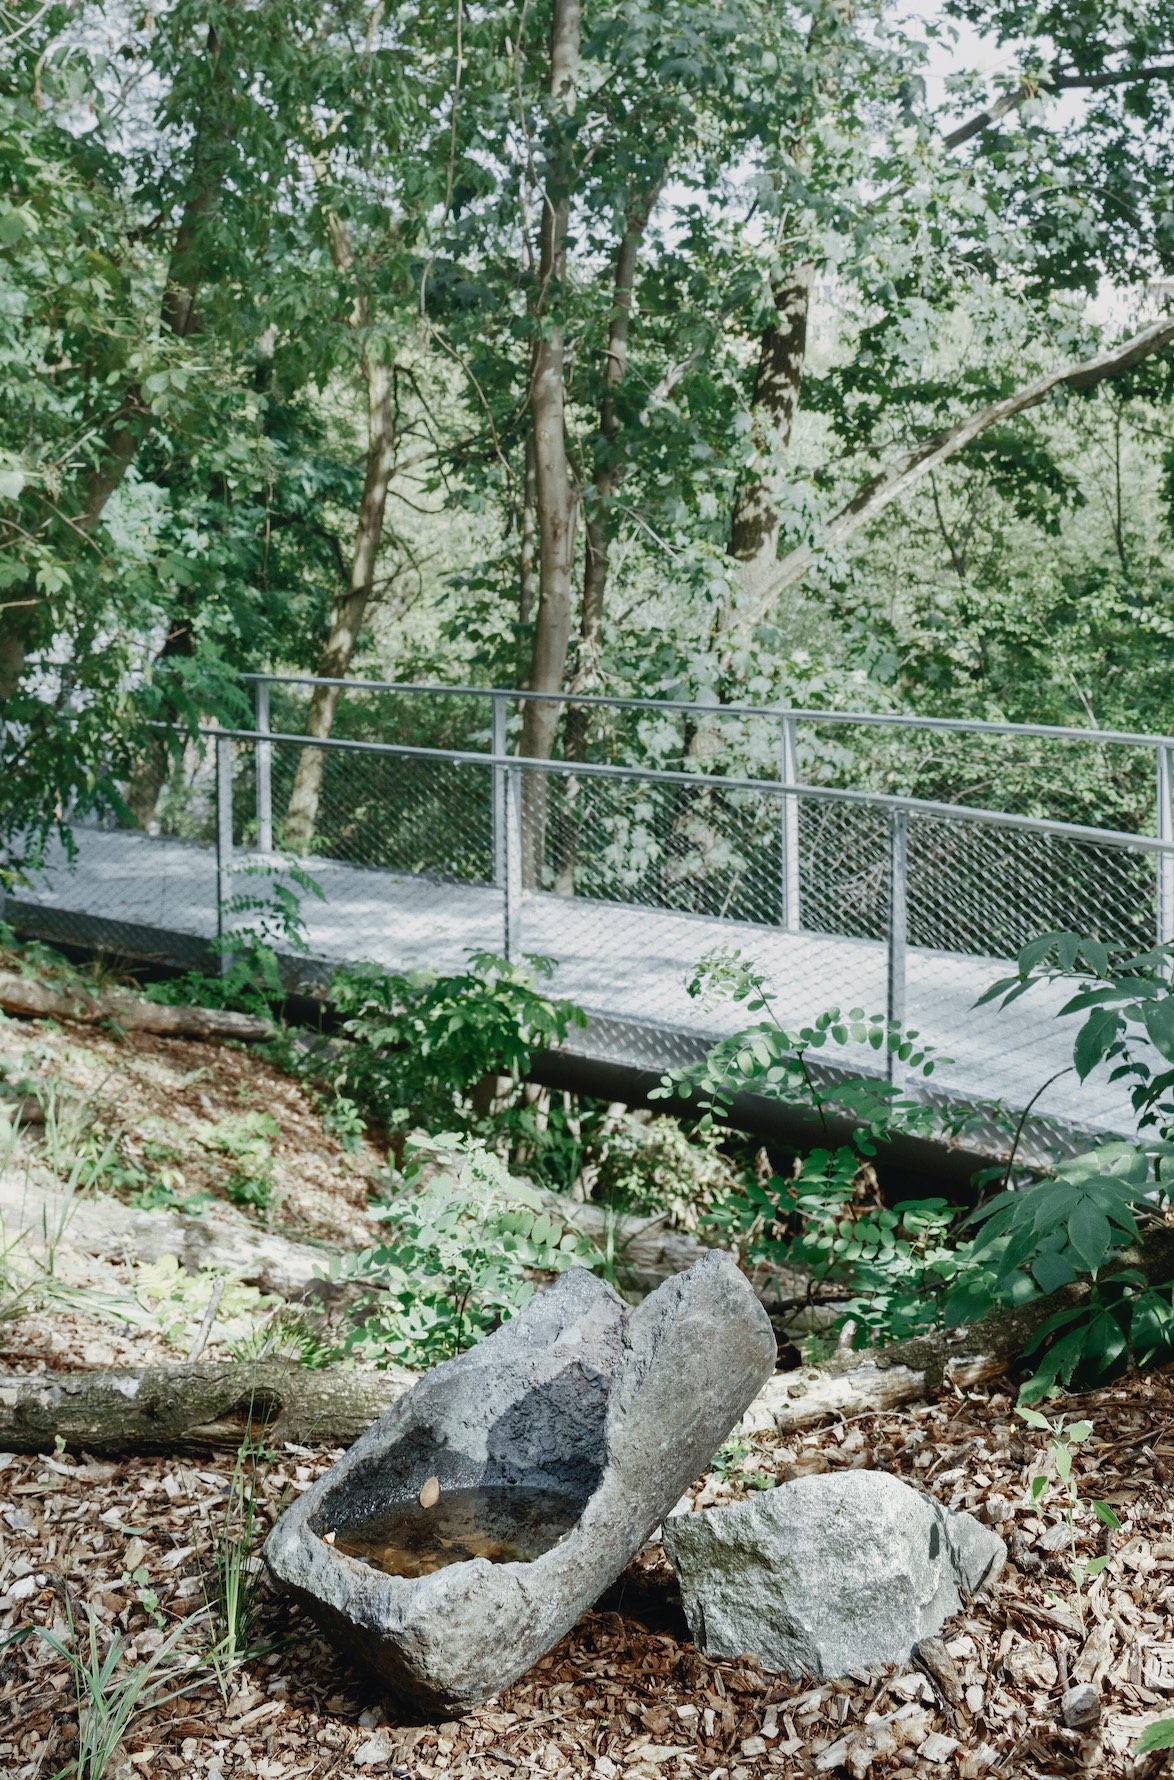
(626, 965)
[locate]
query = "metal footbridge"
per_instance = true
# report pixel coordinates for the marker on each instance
(851, 855)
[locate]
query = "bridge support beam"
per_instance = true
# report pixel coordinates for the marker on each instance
(507, 834)
(898, 922)
(263, 768)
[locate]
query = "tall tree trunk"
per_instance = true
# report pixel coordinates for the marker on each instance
(754, 524)
(754, 528)
(556, 497)
(528, 552)
(142, 794)
(609, 472)
(350, 608)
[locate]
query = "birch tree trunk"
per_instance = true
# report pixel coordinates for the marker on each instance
(351, 606)
(556, 499)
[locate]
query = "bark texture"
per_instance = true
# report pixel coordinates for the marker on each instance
(197, 1408)
(754, 530)
(609, 472)
(33, 1000)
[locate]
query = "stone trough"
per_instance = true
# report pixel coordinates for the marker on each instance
(510, 1486)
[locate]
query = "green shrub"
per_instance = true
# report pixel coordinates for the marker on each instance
(649, 1165)
(426, 1050)
(467, 1248)
(245, 1140)
(919, 1263)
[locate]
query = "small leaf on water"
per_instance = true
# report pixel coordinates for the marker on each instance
(430, 1494)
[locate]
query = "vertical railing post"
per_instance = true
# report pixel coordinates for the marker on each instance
(789, 830)
(898, 922)
(511, 898)
(497, 748)
(263, 766)
(1165, 827)
(223, 846)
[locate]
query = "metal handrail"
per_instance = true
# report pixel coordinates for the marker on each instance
(802, 714)
(718, 782)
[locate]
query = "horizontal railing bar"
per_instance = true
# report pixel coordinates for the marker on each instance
(573, 769)
(883, 719)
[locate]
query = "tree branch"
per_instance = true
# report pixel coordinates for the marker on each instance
(1052, 83)
(897, 478)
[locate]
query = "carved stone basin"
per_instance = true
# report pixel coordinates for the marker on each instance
(544, 1457)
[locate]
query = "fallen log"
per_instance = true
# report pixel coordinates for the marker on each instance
(209, 1407)
(33, 1000)
(200, 1408)
(99, 1229)
(909, 1371)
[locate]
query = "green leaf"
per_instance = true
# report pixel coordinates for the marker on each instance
(1051, 1271)
(1034, 1419)
(1159, 1735)
(1090, 1234)
(1159, 1023)
(1094, 1039)
(1105, 1515)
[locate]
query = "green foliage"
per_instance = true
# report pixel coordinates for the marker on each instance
(343, 1121)
(1071, 1223)
(246, 1141)
(1128, 1007)
(113, 1688)
(734, 1460)
(919, 1264)
(174, 1303)
(467, 1248)
(233, 1579)
(770, 1060)
(653, 1166)
(420, 1046)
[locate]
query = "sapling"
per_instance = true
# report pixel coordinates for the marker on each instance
(1065, 1437)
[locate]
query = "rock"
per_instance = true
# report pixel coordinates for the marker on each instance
(828, 1574)
(1080, 1707)
(933, 1656)
(610, 1409)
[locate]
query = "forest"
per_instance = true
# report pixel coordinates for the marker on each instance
(511, 503)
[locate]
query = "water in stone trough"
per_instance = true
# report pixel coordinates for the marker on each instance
(505, 1525)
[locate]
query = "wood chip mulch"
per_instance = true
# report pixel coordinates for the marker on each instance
(626, 1696)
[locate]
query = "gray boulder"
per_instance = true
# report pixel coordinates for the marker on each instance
(827, 1574)
(563, 1439)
